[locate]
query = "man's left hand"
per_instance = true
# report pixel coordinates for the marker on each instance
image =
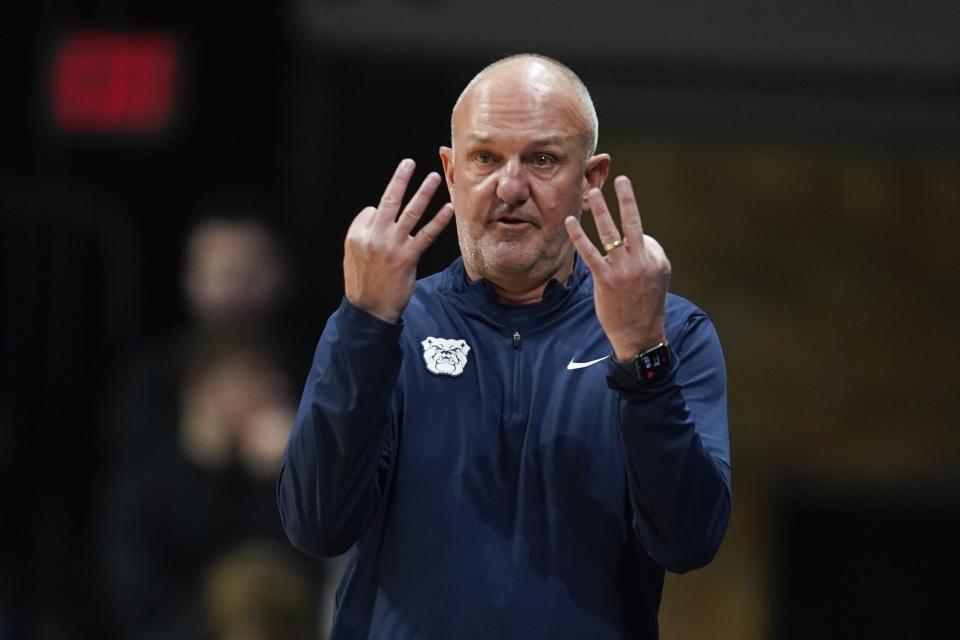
(630, 282)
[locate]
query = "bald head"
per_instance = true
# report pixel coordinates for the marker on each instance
(528, 69)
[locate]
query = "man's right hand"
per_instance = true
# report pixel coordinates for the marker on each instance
(380, 256)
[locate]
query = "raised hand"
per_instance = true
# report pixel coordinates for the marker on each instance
(630, 282)
(380, 256)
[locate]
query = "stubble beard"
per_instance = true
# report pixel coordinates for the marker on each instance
(515, 259)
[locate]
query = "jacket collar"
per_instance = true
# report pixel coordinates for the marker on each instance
(478, 297)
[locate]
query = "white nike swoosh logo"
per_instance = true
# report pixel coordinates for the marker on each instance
(580, 365)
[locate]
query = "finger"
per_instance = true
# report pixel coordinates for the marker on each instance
(656, 252)
(431, 230)
(363, 220)
(606, 229)
(584, 246)
(418, 204)
(393, 195)
(359, 229)
(629, 212)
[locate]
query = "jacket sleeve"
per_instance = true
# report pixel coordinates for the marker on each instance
(678, 450)
(334, 464)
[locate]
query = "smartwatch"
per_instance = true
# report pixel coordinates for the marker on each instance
(650, 366)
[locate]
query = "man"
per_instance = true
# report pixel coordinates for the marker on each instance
(520, 445)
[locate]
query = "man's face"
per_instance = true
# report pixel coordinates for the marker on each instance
(517, 169)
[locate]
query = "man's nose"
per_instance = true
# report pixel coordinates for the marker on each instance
(512, 186)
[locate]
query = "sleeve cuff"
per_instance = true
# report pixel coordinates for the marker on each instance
(623, 377)
(365, 327)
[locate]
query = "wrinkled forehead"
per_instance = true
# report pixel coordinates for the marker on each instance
(527, 98)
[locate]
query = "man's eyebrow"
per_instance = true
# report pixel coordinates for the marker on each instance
(549, 140)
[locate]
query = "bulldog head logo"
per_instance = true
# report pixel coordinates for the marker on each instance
(445, 357)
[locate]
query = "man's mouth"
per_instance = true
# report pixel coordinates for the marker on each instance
(511, 222)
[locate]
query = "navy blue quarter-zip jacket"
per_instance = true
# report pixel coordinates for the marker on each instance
(496, 475)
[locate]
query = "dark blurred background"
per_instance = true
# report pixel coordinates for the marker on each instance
(800, 162)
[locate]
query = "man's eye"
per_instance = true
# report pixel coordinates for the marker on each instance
(542, 160)
(483, 157)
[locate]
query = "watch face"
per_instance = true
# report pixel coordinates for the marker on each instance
(653, 364)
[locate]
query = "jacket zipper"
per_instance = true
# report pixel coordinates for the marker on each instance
(515, 412)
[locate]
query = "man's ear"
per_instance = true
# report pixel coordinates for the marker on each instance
(598, 167)
(596, 171)
(446, 157)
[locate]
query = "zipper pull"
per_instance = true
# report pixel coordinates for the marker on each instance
(516, 339)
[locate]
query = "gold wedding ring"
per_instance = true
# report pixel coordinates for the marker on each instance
(610, 246)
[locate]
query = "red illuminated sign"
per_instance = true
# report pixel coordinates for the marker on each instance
(111, 82)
